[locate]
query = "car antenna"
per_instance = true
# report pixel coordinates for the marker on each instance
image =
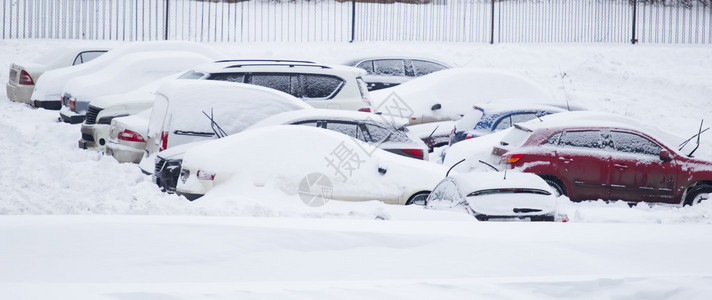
(563, 84)
(491, 166)
(457, 163)
(684, 143)
(219, 132)
(699, 133)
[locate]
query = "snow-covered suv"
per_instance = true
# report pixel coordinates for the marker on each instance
(321, 86)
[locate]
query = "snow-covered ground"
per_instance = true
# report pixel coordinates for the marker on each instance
(76, 224)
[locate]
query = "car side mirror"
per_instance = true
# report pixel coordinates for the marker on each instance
(436, 107)
(665, 155)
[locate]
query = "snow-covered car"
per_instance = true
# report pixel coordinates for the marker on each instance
(101, 111)
(496, 196)
(590, 156)
(449, 94)
(483, 120)
(385, 72)
(321, 86)
(49, 88)
(122, 75)
(434, 134)
(389, 134)
(193, 110)
(23, 75)
(312, 162)
(127, 137)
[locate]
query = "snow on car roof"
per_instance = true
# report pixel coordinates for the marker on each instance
(477, 181)
(331, 114)
(459, 88)
(141, 94)
(580, 119)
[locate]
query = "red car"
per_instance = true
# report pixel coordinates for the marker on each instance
(588, 156)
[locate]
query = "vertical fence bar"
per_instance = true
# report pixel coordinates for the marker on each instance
(633, 39)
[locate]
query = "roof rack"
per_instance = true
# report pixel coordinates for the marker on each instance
(266, 60)
(283, 65)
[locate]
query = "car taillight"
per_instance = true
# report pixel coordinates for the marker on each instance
(72, 104)
(131, 136)
(203, 175)
(164, 141)
(417, 153)
(63, 100)
(512, 158)
(468, 136)
(25, 78)
(365, 109)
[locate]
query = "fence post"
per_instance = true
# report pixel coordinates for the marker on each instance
(492, 26)
(165, 29)
(634, 40)
(353, 21)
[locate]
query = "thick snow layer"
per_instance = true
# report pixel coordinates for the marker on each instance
(113, 235)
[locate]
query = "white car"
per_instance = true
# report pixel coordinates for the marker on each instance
(496, 195)
(321, 86)
(386, 133)
(317, 164)
(97, 125)
(127, 137)
(448, 94)
(48, 89)
(23, 76)
(188, 111)
(122, 75)
(385, 72)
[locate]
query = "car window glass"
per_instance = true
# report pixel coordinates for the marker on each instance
(280, 82)
(87, 56)
(311, 123)
(321, 86)
(425, 67)
(362, 88)
(581, 139)
(191, 75)
(231, 77)
(393, 67)
(503, 123)
(342, 127)
(633, 143)
(366, 65)
(518, 118)
(553, 139)
(445, 195)
(377, 134)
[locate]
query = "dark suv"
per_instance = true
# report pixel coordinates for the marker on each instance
(600, 156)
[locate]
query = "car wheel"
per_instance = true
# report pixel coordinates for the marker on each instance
(418, 198)
(557, 184)
(698, 193)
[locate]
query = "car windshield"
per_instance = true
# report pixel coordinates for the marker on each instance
(508, 191)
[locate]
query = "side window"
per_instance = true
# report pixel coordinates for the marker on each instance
(553, 139)
(191, 75)
(633, 143)
(342, 127)
(232, 77)
(393, 67)
(503, 123)
(321, 86)
(86, 56)
(281, 82)
(425, 67)
(366, 65)
(581, 139)
(517, 118)
(311, 123)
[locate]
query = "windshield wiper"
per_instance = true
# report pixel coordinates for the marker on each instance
(698, 138)
(219, 132)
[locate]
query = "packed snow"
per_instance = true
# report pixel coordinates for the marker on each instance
(77, 224)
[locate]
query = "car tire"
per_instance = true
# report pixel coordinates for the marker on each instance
(692, 197)
(422, 194)
(557, 184)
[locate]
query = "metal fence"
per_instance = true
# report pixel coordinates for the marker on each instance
(473, 21)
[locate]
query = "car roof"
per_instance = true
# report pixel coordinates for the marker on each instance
(477, 181)
(329, 114)
(260, 65)
(588, 119)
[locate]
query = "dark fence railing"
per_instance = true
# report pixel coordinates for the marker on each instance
(470, 21)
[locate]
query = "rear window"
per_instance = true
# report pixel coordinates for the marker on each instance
(515, 138)
(425, 67)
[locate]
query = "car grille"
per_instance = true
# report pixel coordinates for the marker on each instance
(159, 165)
(92, 112)
(166, 174)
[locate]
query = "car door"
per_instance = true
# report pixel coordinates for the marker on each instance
(583, 162)
(637, 173)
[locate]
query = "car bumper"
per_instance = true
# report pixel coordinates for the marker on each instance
(47, 104)
(125, 153)
(19, 93)
(189, 196)
(69, 116)
(94, 137)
